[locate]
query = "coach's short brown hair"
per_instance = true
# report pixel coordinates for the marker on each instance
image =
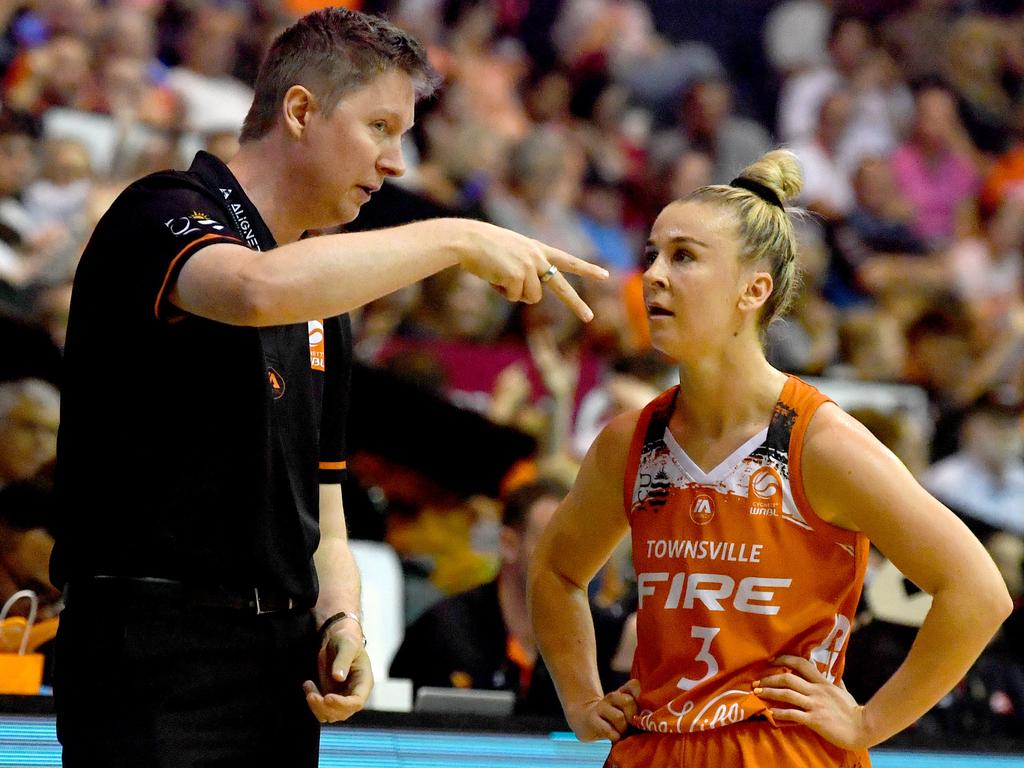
(332, 52)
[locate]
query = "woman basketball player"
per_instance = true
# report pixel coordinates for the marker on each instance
(751, 498)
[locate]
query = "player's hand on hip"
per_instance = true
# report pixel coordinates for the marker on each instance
(808, 698)
(345, 677)
(608, 717)
(521, 267)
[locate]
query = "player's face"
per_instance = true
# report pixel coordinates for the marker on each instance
(693, 280)
(359, 144)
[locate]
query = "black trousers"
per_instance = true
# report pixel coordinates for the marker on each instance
(176, 687)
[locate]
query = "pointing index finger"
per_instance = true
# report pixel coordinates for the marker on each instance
(568, 263)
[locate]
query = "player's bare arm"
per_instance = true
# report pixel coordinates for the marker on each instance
(853, 481)
(576, 543)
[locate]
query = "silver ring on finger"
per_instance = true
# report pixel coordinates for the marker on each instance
(548, 273)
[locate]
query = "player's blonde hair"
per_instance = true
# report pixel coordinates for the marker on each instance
(765, 229)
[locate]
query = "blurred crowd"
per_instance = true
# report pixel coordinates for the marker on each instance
(576, 121)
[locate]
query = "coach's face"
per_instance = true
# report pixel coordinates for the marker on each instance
(347, 154)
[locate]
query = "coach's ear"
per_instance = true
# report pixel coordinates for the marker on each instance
(297, 106)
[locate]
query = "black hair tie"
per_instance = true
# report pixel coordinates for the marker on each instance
(765, 193)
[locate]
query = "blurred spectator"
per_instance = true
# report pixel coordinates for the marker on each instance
(806, 341)
(463, 161)
(984, 481)
(483, 638)
(633, 381)
(35, 215)
(872, 345)
(1005, 176)
(881, 102)
(796, 35)
(708, 124)
(690, 171)
(918, 37)
(974, 69)
(871, 244)
(133, 80)
(545, 172)
(601, 214)
(25, 546)
(987, 272)
(933, 168)
(618, 37)
(827, 166)
(56, 74)
(900, 433)
(52, 306)
(214, 100)
(455, 305)
(29, 414)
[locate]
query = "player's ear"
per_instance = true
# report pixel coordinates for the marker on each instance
(758, 288)
(296, 107)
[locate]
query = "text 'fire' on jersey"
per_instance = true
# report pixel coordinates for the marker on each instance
(733, 569)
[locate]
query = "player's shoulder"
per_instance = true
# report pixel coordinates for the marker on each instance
(837, 445)
(618, 433)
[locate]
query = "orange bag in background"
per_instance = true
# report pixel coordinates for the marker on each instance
(20, 672)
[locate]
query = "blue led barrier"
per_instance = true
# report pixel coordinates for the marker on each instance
(32, 741)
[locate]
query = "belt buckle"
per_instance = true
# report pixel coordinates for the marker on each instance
(259, 608)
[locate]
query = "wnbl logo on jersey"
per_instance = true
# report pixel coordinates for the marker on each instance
(764, 492)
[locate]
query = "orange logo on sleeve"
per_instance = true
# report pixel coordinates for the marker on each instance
(317, 351)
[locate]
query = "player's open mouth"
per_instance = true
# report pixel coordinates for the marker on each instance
(654, 310)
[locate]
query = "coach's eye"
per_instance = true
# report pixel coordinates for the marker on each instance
(650, 255)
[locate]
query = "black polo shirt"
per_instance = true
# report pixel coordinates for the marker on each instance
(190, 449)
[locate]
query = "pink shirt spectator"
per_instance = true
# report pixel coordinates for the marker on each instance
(936, 189)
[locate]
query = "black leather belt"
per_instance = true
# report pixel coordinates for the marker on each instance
(153, 591)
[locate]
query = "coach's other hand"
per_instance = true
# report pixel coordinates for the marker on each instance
(345, 676)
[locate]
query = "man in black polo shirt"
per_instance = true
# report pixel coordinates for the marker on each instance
(201, 537)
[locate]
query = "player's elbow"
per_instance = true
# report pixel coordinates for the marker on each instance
(991, 604)
(1002, 604)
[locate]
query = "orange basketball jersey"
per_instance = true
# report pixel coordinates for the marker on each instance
(733, 568)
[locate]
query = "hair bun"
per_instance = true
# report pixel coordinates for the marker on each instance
(778, 170)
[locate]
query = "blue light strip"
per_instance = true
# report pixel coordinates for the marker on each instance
(32, 741)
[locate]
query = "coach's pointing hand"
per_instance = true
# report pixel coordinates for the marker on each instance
(521, 267)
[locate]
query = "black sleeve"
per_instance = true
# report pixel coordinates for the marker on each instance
(155, 226)
(337, 387)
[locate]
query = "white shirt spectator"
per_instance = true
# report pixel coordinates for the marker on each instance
(826, 178)
(962, 483)
(796, 35)
(212, 104)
